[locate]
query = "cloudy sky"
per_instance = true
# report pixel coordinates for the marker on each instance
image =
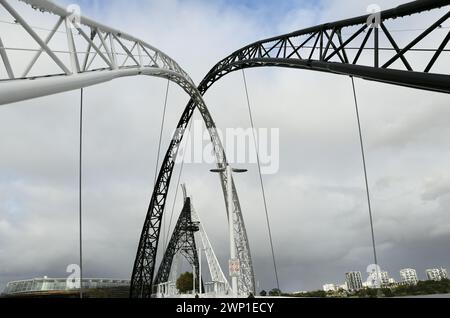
(317, 199)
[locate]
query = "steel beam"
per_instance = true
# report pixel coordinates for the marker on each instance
(4, 56)
(20, 90)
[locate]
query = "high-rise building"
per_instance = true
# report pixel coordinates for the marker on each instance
(354, 281)
(437, 274)
(384, 278)
(409, 276)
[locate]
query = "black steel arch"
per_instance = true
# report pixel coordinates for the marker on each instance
(321, 48)
(327, 50)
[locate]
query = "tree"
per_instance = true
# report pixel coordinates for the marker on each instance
(313, 294)
(185, 282)
(275, 292)
(263, 293)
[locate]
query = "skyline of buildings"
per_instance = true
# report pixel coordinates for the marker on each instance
(354, 281)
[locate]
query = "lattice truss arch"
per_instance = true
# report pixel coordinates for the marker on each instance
(339, 48)
(90, 46)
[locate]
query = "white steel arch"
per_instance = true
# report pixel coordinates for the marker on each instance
(109, 54)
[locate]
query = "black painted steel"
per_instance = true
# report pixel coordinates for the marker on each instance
(183, 242)
(144, 265)
(332, 56)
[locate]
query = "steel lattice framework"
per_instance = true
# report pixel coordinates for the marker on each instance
(104, 54)
(325, 48)
(183, 242)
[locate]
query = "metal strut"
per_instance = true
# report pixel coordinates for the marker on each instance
(182, 241)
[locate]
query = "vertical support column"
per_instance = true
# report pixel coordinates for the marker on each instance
(234, 278)
(71, 45)
(193, 279)
(200, 270)
(141, 60)
(5, 59)
(113, 52)
(321, 45)
(377, 45)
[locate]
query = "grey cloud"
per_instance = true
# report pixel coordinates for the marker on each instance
(437, 188)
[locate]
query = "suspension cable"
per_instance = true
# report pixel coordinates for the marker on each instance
(80, 191)
(261, 179)
(365, 174)
(160, 143)
(177, 188)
